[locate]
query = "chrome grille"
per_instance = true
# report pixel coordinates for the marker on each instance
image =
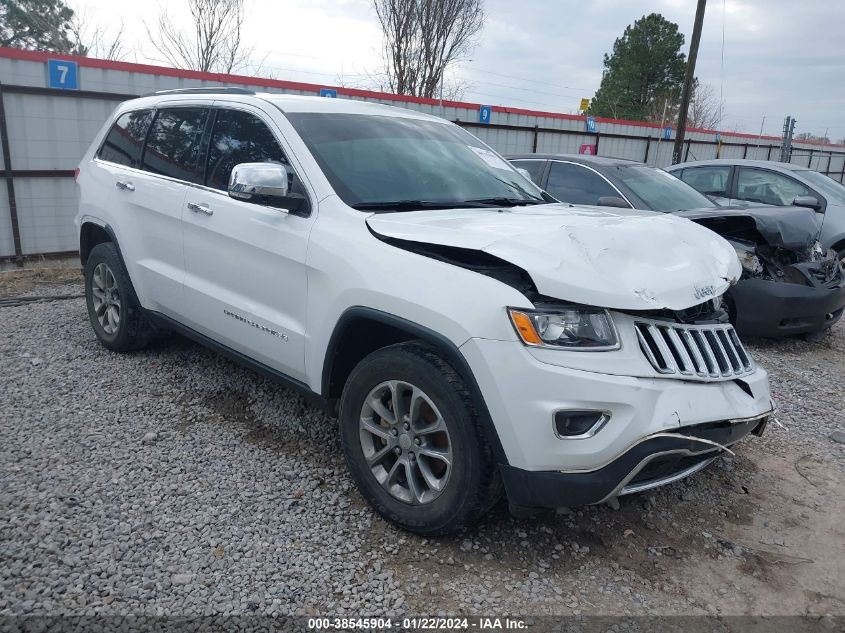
(693, 351)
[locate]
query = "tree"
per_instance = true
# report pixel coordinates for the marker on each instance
(42, 25)
(423, 38)
(807, 136)
(704, 111)
(645, 68)
(214, 43)
(91, 40)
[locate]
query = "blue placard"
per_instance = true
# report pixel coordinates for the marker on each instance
(62, 74)
(718, 137)
(328, 92)
(667, 132)
(484, 114)
(591, 124)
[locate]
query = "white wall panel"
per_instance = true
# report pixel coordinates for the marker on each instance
(46, 207)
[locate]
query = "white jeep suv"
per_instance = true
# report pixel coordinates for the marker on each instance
(469, 333)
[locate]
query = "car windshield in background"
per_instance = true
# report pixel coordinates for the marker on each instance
(398, 163)
(661, 191)
(834, 191)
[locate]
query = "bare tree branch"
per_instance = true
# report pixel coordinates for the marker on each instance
(704, 110)
(214, 42)
(91, 40)
(423, 38)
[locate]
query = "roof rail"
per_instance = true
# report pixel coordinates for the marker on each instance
(205, 90)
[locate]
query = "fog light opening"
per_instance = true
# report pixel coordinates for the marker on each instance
(574, 425)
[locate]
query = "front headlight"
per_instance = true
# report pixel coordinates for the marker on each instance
(748, 258)
(577, 328)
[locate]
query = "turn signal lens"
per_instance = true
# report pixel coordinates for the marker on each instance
(525, 328)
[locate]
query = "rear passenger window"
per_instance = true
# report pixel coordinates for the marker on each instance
(173, 143)
(124, 141)
(239, 137)
(577, 184)
(533, 167)
(710, 180)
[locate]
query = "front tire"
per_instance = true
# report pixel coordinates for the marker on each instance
(113, 309)
(413, 441)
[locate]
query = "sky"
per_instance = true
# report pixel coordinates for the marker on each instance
(780, 57)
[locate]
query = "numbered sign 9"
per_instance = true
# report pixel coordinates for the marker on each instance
(484, 113)
(62, 74)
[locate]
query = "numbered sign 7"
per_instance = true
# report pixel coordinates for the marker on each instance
(62, 74)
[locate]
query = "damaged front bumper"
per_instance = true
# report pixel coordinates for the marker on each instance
(654, 461)
(645, 418)
(811, 300)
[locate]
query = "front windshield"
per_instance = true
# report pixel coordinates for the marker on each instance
(834, 191)
(372, 160)
(661, 191)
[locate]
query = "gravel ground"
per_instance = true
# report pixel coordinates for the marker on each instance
(173, 482)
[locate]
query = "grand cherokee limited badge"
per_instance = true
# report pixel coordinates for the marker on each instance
(257, 326)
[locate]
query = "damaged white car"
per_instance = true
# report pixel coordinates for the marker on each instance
(471, 335)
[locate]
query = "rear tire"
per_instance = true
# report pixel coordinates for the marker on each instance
(116, 315)
(429, 469)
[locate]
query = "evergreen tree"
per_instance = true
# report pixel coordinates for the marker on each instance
(42, 25)
(646, 68)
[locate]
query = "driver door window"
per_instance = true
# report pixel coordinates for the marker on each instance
(768, 187)
(241, 137)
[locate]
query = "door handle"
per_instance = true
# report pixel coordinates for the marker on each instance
(125, 185)
(199, 208)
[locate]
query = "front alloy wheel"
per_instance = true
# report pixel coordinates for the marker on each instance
(405, 442)
(414, 442)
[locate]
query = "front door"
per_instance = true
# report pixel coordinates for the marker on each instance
(245, 281)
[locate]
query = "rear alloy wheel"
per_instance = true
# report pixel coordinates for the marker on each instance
(113, 309)
(105, 297)
(413, 441)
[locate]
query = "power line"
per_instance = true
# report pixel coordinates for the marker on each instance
(533, 81)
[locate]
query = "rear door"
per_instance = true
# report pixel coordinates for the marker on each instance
(145, 160)
(246, 283)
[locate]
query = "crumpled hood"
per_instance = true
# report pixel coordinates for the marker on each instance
(614, 258)
(793, 228)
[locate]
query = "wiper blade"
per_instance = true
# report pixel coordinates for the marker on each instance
(505, 202)
(415, 205)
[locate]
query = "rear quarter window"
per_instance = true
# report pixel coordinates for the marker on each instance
(125, 139)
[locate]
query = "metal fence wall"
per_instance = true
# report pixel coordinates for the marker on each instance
(45, 131)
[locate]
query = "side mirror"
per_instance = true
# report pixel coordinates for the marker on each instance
(613, 201)
(807, 201)
(264, 183)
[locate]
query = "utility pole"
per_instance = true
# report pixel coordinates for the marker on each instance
(688, 80)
